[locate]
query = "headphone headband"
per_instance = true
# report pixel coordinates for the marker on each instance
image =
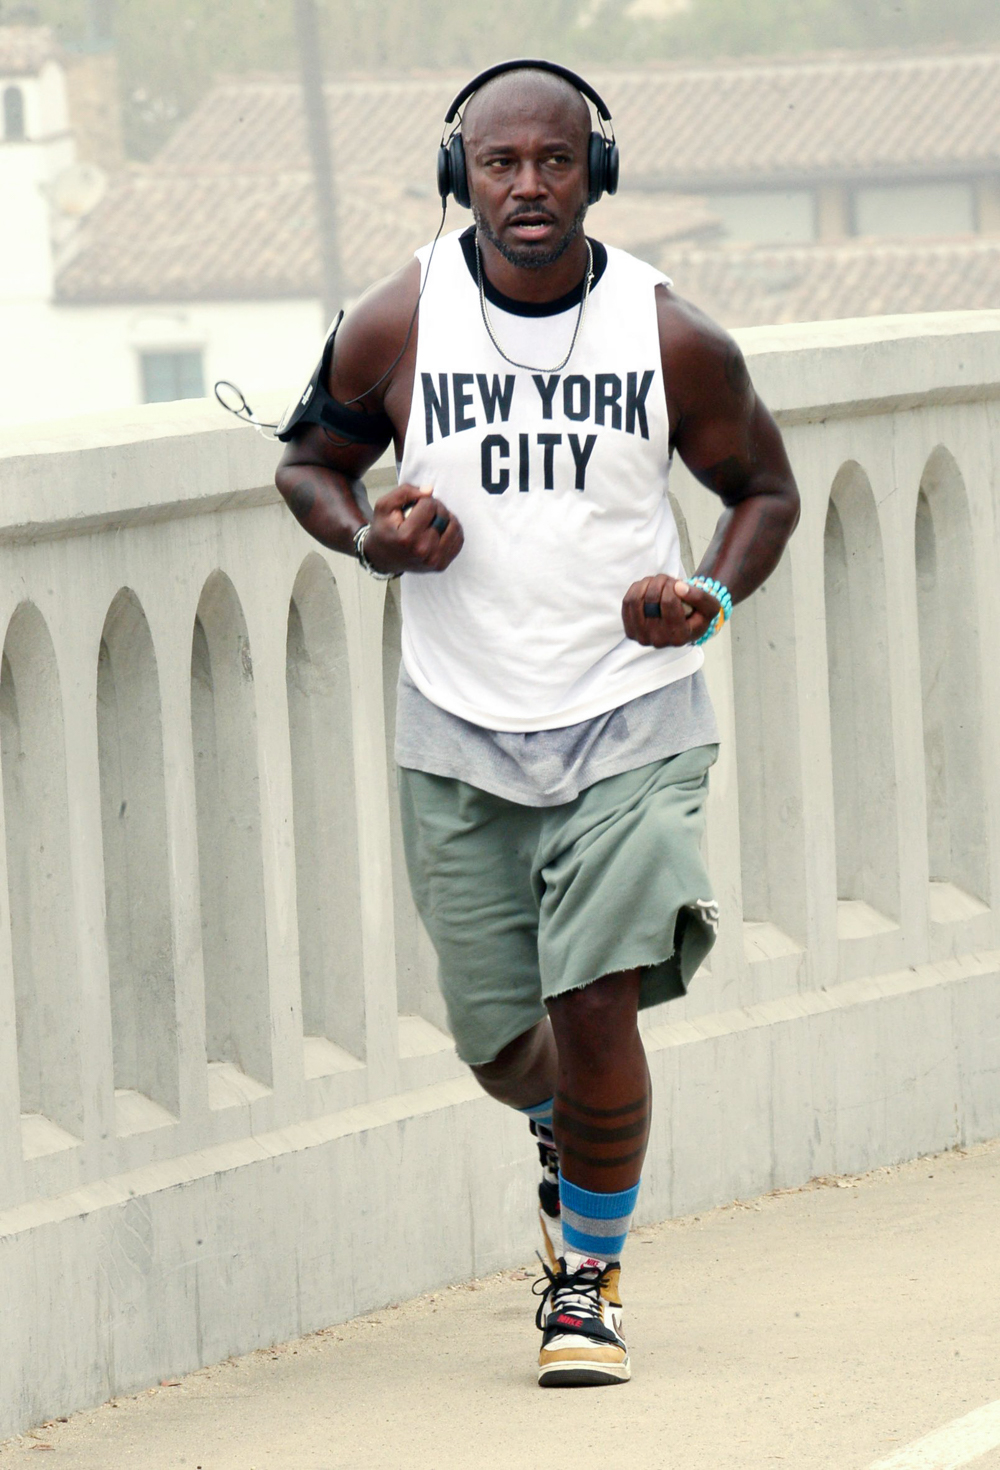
(602, 150)
(529, 64)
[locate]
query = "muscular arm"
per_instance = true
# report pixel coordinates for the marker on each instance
(320, 475)
(730, 442)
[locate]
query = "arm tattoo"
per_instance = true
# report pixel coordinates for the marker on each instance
(728, 478)
(769, 537)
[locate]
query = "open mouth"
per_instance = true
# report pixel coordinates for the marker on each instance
(531, 226)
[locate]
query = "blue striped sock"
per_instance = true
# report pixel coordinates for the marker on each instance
(595, 1224)
(541, 1114)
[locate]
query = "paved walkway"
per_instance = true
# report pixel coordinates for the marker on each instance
(830, 1327)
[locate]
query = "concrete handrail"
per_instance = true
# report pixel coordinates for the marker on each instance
(211, 973)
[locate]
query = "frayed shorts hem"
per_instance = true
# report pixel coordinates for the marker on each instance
(525, 904)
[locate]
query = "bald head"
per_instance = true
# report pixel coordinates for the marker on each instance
(525, 94)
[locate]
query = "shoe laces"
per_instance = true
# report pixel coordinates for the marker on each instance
(576, 1291)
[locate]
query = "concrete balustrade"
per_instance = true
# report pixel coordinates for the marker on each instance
(229, 1107)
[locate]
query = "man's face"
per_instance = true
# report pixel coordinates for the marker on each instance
(526, 155)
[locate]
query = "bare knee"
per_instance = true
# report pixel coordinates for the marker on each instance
(593, 1024)
(517, 1059)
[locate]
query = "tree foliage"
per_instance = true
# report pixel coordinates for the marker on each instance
(169, 53)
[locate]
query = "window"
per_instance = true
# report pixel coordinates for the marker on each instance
(167, 376)
(914, 209)
(767, 216)
(13, 114)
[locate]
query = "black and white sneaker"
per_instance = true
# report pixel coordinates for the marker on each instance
(549, 1216)
(580, 1318)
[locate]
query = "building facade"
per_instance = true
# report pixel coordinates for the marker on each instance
(769, 191)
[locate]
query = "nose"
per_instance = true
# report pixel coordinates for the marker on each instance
(528, 182)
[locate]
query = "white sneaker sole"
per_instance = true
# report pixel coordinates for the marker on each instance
(567, 1374)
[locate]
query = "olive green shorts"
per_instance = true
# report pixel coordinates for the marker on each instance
(523, 903)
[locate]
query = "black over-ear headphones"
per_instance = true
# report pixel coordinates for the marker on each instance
(602, 153)
(352, 426)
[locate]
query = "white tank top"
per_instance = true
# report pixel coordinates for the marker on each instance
(560, 483)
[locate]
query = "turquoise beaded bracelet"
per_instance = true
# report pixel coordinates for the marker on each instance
(722, 597)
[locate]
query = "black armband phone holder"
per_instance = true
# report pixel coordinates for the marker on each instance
(316, 405)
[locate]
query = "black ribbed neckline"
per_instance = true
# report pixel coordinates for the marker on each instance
(467, 240)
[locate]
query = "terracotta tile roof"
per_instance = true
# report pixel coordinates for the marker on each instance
(758, 286)
(681, 127)
(386, 129)
(641, 222)
(834, 117)
(159, 236)
(225, 211)
(182, 237)
(178, 238)
(24, 50)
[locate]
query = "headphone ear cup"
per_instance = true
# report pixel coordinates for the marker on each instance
(443, 172)
(612, 163)
(597, 167)
(456, 168)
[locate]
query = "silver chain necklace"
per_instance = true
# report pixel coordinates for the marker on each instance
(588, 281)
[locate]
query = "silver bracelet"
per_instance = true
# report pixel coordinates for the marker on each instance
(359, 538)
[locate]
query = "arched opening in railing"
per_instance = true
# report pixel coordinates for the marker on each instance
(325, 823)
(769, 769)
(422, 1023)
(39, 885)
(864, 776)
(948, 625)
(234, 947)
(136, 871)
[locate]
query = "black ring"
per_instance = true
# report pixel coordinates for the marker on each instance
(440, 523)
(651, 610)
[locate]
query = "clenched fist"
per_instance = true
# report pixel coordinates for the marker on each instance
(412, 532)
(666, 612)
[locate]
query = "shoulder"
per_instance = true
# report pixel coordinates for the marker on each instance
(690, 339)
(372, 338)
(701, 361)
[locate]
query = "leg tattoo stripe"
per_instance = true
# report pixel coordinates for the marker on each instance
(597, 1133)
(566, 1151)
(562, 1100)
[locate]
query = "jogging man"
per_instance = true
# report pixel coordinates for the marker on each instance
(554, 730)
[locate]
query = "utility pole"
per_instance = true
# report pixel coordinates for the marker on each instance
(318, 135)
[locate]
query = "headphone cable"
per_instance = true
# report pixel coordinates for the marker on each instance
(416, 307)
(243, 411)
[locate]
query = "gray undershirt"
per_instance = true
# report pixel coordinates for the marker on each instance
(549, 767)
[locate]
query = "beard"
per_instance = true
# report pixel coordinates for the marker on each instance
(527, 256)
